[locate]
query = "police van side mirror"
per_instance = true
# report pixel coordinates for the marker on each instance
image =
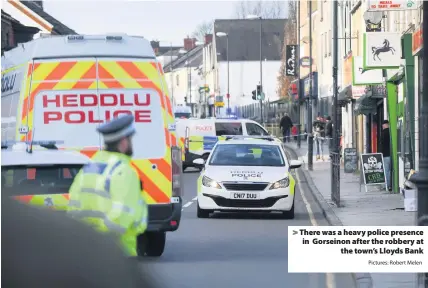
(199, 162)
(294, 164)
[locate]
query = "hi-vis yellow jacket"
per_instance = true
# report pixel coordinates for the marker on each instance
(106, 195)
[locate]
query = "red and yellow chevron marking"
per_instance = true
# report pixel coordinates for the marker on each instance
(72, 75)
(181, 145)
(59, 201)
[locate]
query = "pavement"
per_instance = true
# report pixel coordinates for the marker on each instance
(358, 208)
(238, 250)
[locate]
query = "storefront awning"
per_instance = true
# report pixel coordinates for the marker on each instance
(345, 96)
(365, 105)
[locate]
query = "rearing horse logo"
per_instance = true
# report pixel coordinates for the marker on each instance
(385, 48)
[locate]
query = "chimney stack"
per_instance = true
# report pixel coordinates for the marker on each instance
(208, 38)
(189, 43)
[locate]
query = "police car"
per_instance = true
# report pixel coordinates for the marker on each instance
(38, 173)
(245, 173)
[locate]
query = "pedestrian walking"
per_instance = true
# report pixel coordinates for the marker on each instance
(386, 151)
(285, 126)
(106, 193)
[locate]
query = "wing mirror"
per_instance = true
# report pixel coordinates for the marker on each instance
(294, 164)
(199, 162)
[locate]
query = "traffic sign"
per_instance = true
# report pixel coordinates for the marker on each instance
(203, 89)
(227, 95)
(219, 104)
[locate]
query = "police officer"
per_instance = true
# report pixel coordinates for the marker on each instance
(107, 192)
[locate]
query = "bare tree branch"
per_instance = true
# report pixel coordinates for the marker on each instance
(265, 9)
(203, 29)
(290, 38)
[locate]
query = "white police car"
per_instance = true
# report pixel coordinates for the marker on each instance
(245, 173)
(39, 176)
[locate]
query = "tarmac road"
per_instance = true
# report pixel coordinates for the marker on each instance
(237, 250)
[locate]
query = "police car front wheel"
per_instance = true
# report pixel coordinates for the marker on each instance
(202, 213)
(289, 214)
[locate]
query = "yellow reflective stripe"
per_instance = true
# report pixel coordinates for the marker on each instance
(101, 193)
(82, 214)
(74, 203)
(122, 208)
(142, 221)
(12, 68)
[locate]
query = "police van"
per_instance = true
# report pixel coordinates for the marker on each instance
(63, 87)
(197, 137)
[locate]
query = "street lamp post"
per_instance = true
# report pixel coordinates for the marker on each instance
(223, 34)
(310, 135)
(251, 17)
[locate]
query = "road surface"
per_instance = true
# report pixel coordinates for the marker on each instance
(237, 250)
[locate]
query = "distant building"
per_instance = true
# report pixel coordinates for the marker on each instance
(13, 32)
(184, 75)
(31, 13)
(244, 59)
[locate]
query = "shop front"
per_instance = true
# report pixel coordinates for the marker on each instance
(417, 52)
(307, 95)
(388, 64)
(401, 110)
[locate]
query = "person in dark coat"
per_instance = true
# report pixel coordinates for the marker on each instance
(285, 126)
(386, 151)
(44, 248)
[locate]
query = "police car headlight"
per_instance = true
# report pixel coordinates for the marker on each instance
(283, 183)
(208, 182)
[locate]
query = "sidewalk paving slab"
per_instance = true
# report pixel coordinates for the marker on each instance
(358, 208)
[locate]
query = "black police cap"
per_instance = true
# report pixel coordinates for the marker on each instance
(117, 128)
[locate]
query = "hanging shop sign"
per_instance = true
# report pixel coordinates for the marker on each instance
(358, 91)
(382, 50)
(305, 62)
(347, 70)
(376, 91)
(417, 41)
(290, 60)
(364, 77)
(314, 85)
(397, 5)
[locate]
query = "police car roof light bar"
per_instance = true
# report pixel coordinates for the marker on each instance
(240, 137)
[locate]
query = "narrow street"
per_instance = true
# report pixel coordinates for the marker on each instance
(237, 250)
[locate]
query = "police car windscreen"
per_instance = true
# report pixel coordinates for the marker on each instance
(73, 116)
(37, 180)
(247, 155)
(182, 115)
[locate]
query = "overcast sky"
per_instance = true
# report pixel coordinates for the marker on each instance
(162, 20)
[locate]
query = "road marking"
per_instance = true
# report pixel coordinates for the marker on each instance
(187, 204)
(329, 277)
(194, 199)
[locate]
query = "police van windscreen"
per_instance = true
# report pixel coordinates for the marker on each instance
(37, 180)
(247, 155)
(73, 117)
